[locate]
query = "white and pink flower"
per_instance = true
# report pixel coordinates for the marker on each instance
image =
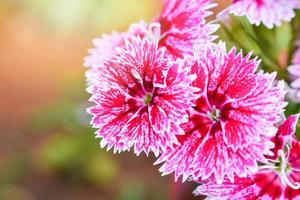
(230, 127)
(268, 12)
(141, 98)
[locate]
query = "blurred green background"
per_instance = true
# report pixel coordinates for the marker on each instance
(47, 148)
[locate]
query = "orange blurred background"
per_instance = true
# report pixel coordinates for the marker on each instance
(47, 149)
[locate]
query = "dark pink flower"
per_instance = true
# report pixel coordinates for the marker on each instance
(183, 26)
(277, 179)
(230, 127)
(141, 98)
(268, 12)
(294, 70)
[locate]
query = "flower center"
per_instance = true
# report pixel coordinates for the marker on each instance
(147, 98)
(284, 168)
(214, 115)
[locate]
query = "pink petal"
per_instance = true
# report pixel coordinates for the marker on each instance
(240, 189)
(158, 119)
(269, 183)
(183, 25)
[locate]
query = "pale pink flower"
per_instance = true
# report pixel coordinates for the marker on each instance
(230, 127)
(294, 70)
(267, 12)
(277, 179)
(141, 98)
(106, 48)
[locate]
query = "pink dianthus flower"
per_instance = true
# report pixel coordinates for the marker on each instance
(141, 98)
(230, 127)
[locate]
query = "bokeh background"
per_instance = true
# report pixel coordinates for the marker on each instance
(47, 148)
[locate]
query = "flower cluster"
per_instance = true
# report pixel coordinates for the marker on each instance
(208, 114)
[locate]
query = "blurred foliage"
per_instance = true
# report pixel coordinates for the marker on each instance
(70, 148)
(138, 190)
(77, 158)
(14, 168)
(127, 191)
(11, 192)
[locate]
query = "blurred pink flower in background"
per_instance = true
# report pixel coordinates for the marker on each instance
(294, 70)
(230, 127)
(141, 98)
(277, 179)
(268, 12)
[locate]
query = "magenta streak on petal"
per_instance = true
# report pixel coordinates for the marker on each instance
(232, 122)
